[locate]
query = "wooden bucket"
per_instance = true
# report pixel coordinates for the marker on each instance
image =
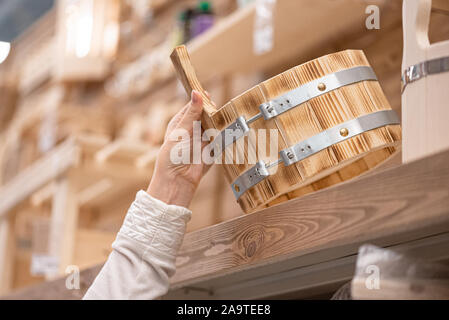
(332, 118)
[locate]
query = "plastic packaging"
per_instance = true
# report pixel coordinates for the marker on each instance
(386, 274)
(203, 19)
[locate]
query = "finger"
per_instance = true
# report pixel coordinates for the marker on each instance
(193, 112)
(178, 116)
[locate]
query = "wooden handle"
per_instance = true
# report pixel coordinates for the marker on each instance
(186, 74)
(416, 18)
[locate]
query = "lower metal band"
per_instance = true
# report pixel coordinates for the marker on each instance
(250, 178)
(313, 145)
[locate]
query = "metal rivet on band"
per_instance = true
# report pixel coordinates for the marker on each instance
(237, 188)
(321, 86)
(344, 132)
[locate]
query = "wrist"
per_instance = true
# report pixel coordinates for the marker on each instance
(171, 190)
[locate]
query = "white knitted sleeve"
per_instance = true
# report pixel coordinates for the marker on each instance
(144, 252)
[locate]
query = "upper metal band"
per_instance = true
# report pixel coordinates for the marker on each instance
(313, 145)
(315, 89)
(239, 128)
(424, 69)
(292, 99)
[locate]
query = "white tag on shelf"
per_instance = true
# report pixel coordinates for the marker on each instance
(49, 125)
(263, 26)
(47, 132)
(42, 264)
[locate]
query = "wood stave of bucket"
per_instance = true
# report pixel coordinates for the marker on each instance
(338, 163)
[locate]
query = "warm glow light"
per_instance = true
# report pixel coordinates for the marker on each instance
(85, 29)
(88, 33)
(110, 39)
(79, 26)
(5, 48)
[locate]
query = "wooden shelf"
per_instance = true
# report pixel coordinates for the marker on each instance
(82, 172)
(309, 245)
(315, 274)
(87, 160)
(396, 206)
(298, 28)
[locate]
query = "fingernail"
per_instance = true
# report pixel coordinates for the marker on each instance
(195, 97)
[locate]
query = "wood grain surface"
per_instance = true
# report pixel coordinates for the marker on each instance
(400, 205)
(395, 205)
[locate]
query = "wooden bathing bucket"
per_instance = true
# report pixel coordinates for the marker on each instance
(332, 118)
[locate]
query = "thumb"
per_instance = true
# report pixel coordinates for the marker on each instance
(193, 112)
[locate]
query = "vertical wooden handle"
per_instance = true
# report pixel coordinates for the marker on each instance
(416, 19)
(186, 74)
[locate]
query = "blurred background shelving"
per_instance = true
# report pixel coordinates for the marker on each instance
(80, 127)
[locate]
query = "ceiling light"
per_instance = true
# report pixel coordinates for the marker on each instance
(5, 48)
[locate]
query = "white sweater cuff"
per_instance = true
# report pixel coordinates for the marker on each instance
(156, 225)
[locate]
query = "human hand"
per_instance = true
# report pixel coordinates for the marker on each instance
(176, 183)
